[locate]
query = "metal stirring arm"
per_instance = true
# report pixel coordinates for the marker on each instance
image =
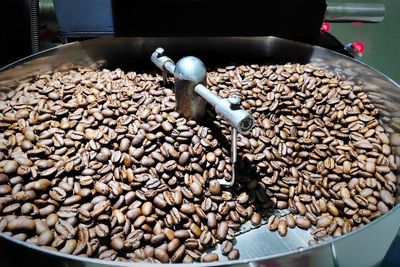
(192, 97)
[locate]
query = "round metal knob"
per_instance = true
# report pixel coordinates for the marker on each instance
(191, 69)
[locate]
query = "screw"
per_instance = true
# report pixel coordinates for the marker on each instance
(160, 52)
(234, 100)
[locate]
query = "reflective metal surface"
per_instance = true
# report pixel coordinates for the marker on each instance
(260, 247)
(348, 12)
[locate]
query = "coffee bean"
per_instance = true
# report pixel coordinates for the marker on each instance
(196, 188)
(195, 229)
(222, 230)
(175, 243)
(187, 259)
(166, 126)
(65, 229)
(290, 220)
(41, 185)
(147, 208)
(226, 247)
(301, 208)
(179, 254)
(45, 238)
(282, 228)
(12, 208)
(58, 194)
(273, 222)
(350, 202)
(69, 246)
(161, 255)
(5, 189)
(324, 222)
(210, 257)
(332, 209)
(8, 166)
(205, 238)
(302, 222)
(210, 157)
(51, 220)
(234, 254)
(255, 219)
(41, 226)
(382, 208)
(387, 197)
(158, 239)
(124, 144)
(215, 187)
(188, 208)
(19, 225)
(183, 158)
(117, 243)
(182, 234)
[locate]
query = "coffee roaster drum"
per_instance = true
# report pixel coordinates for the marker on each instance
(259, 247)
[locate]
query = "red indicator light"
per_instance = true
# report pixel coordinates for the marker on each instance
(326, 27)
(359, 47)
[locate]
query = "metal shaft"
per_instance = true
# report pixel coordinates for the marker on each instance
(237, 118)
(349, 12)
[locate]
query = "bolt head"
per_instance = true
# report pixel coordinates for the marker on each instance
(160, 51)
(234, 100)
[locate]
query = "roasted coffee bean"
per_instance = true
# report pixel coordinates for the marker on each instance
(205, 238)
(65, 229)
(215, 187)
(282, 228)
(175, 243)
(69, 246)
(182, 234)
(117, 243)
(161, 255)
(19, 225)
(147, 208)
(45, 238)
(387, 197)
(187, 259)
(226, 247)
(302, 222)
(324, 222)
(41, 226)
(188, 208)
(196, 188)
(273, 222)
(290, 220)
(255, 219)
(179, 254)
(222, 230)
(234, 254)
(210, 257)
(195, 229)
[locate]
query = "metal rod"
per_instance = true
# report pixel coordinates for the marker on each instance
(233, 154)
(237, 118)
(350, 12)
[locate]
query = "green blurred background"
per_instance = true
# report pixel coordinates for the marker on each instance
(382, 40)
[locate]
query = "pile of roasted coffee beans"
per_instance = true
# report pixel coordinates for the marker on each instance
(99, 164)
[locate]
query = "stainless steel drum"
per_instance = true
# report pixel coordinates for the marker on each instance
(364, 247)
